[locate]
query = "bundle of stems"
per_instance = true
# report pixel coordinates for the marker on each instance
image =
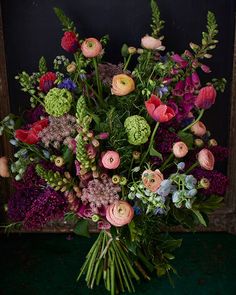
(109, 259)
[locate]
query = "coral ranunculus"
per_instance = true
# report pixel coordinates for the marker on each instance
(180, 149)
(122, 85)
(198, 129)
(206, 97)
(206, 159)
(152, 179)
(91, 47)
(159, 111)
(69, 42)
(149, 42)
(46, 82)
(4, 170)
(120, 213)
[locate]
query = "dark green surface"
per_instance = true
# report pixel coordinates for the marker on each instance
(43, 264)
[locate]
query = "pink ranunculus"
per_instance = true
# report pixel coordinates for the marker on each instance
(179, 60)
(206, 97)
(179, 89)
(195, 80)
(198, 129)
(159, 111)
(120, 213)
(205, 69)
(111, 160)
(149, 42)
(4, 170)
(180, 149)
(206, 159)
(103, 225)
(91, 47)
(152, 179)
(188, 87)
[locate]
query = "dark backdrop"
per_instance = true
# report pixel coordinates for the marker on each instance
(31, 30)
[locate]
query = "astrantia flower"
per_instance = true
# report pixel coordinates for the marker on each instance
(46, 82)
(67, 84)
(69, 42)
(91, 47)
(122, 85)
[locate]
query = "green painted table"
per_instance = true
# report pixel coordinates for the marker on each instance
(47, 264)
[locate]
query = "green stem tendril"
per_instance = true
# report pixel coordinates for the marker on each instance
(192, 167)
(195, 121)
(165, 164)
(150, 143)
(127, 62)
(99, 85)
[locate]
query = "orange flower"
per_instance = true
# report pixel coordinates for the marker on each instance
(4, 171)
(206, 159)
(91, 47)
(180, 149)
(122, 85)
(198, 129)
(119, 213)
(152, 179)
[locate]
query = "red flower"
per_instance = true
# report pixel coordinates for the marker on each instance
(69, 42)
(206, 97)
(159, 111)
(31, 136)
(46, 82)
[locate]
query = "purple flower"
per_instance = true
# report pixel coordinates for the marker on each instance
(162, 91)
(205, 69)
(179, 60)
(189, 87)
(195, 80)
(67, 84)
(165, 140)
(34, 114)
(179, 89)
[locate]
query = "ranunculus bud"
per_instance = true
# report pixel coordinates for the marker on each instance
(198, 129)
(132, 50)
(149, 42)
(212, 142)
(4, 170)
(152, 179)
(206, 97)
(205, 183)
(91, 47)
(111, 160)
(59, 161)
(69, 42)
(136, 155)
(198, 142)
(206, 159)
(120, 213)
(180, 149)
(71, 68)
(115, 179)
(122, 85)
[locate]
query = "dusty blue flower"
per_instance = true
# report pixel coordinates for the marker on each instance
(190, 181)
(181, 166)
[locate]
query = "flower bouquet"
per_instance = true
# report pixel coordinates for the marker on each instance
(122, 149)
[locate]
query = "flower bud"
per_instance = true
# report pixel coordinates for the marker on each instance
(140, 50)
(95, 218)
(59, 161)
(198, 142)
(180, 149)
(123, 180)
(136, 155)
(198, 129)
(132, 50)
(71, 67)
(206, 159)
(212, 142)
(115, 179)
(205, 183)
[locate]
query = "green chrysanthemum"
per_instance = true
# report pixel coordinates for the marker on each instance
(58, 102)
(138, 130)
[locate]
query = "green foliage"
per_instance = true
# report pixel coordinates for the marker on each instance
(187, 138)
(70, 217)
(81, 228)
(208, 204)
(67, 23)
(12, 227)
(157, 24)
(42, 65)
(219, 84)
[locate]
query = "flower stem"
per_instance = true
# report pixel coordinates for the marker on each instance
(150, 143)
(195, 121)
(127, 62)
(192, 167)
(163, 166)
(99, 85)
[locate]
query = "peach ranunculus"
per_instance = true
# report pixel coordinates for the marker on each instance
(206, 159)
(91, 47)
(198, 129)
(111, 160)
(122, 85)
(159, 111)
(152, 179)
(4, 170)
(120, 213)
(149, 42)
(180, 149)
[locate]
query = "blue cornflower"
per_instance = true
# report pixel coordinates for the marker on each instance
(67, 84)
(163, 90)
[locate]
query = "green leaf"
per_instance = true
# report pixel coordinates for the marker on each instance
(171, 245)
(187, 138)
(66, 22)
(68, 156)
(161, 270)
(42, 65)
(124, 50)
(200, 217)
(155, 153)
(81, 228)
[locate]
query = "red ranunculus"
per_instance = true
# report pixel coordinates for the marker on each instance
(69, 42)
(31, 136)
(159, 111)
(206, 97)
(47, 80)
